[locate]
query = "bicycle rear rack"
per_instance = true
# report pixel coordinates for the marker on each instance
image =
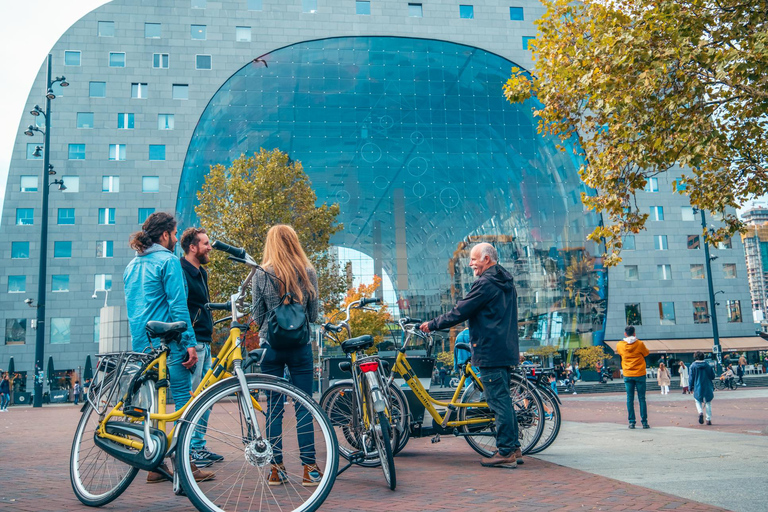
(108, 375)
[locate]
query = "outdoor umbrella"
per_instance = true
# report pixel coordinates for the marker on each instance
(51, 372)
(88, 370)
(11, 368)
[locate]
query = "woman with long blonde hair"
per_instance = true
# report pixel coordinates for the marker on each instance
(289, 277)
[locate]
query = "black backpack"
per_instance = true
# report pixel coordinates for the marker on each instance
(287, 324)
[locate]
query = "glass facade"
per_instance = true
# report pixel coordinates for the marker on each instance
(415, 142)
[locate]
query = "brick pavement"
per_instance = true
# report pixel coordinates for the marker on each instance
(34, 476)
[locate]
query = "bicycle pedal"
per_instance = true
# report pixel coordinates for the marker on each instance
(135, 412)
(357, 457)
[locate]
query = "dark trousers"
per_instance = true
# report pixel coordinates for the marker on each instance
(495, 382)
(633, 384)
(77, 398)
(299, 363)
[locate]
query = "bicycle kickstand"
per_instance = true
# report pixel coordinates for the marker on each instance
(354, 458)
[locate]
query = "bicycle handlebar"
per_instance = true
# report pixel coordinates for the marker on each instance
(331, 327)
(237, 252)
(218, 306)
(409, 320)
(371, 300)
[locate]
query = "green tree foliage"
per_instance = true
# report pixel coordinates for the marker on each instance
(446, 358)
(590, 356)
(648, 87)
(239, 204)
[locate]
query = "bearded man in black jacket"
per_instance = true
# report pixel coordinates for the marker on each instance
(491, 309)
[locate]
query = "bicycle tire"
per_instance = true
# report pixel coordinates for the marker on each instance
(338, 402)
(552, 421)
(382, 439)
(241, 485)
(97, 478)
(528, 409)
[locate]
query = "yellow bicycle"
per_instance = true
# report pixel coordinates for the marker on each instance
(254, 421)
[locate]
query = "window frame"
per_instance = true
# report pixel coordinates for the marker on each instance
(109, 60)
(73, 52)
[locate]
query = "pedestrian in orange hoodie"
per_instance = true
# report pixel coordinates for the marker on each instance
(633, 353)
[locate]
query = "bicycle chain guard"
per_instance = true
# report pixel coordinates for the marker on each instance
(127, 454)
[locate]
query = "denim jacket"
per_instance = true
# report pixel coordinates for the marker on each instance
(155, 289)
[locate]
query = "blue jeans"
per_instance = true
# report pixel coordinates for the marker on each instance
(203, 365)
(632, 384)
(299, 362)
(5, 399)
(180, 378)
(496, 390)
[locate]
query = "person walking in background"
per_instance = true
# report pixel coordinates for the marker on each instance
(443, 376)
(663, 379)
(76, 391)
(684, 377)
(633, 353)
(741, 369)
(700, 380)
(577, 372)
(5, 393)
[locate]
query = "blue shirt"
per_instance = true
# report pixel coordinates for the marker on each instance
(461, 356)
(155, 289)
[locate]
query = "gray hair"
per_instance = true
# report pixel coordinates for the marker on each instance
(487, 249)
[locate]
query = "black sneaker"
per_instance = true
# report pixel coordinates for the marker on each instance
(701, 419)
(215, 457)
(631, 426)
(200, 459)
(645, 425)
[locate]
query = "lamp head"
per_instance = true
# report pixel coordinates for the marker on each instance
(50, 95)
(30, 131)
(94, 295)
(38, 152)
(64, 82)
(28, 302)
(35, 112)
(51, 172)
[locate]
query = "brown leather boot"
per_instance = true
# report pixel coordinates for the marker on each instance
(519, 456)
(201, 475)
(278, 475)
(153, 477)
(312, 475)
(500, 461)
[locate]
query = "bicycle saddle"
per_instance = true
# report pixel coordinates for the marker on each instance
(167, 331)
(355, 344)
(462, 346)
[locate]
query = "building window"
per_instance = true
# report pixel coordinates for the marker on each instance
(157, 151)
(17, 284)
(110, 183)
(62, 249)
(25, 216)
(363, 7)
(117, 151)
(243, 34)
(415, 11)
(165, 121)
(697, 271)
(632, 314)
(657, 213)
(60, 283)
(309, 6)
(85, 120)
(144, 213)
(104, 248)
(516, 14)
(180, 91)
(199, 4)
(733, 309)
(664, 272)
(66, 216)
(630, 273)
(700, 312)
(660, 242)
(72, 58)
(96, 329)
(60, 330)
(116, 59)
(106, 29)
(106, 216)
(28, 184)
(652, 185)
(102, 282)
(97, 89)
(15, 331)
(467, 12)
(687, 213)
(526, 42)
(150, 184)
(729, 270)
(153, 30)
(19, 250)
(203, 62)
(694, 242)
(667, 313)
(198, 32)
(139, 91)
(125, 121)
(33, 153)
(160, 60)
(254, 5)
(679, 186)
(77, 151)
(72, 183)
(725, 244)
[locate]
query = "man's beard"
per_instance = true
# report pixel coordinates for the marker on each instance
(171, 245)
(202, 259)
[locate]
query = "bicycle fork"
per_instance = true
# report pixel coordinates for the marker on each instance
(258, 451)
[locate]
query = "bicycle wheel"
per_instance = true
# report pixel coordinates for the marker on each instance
(97, 478)
(295, 432)
(528, 409)
(552, 420)
(381, 432)
(339, 404)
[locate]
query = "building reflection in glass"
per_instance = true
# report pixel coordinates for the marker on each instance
(415, 141)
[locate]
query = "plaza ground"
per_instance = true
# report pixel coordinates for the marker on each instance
(596, 464)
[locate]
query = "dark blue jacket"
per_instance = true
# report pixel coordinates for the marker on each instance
(700, 380)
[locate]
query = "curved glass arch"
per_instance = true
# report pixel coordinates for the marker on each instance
(416, 142)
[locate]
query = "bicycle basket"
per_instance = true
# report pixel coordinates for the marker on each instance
(113, 376)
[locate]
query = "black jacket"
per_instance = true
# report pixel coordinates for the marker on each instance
(491, 308)
(197, 297)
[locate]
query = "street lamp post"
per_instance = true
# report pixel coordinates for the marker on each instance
(47, 168)
(713, 314)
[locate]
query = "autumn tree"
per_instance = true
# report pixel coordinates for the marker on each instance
(590, 356)
(238, 205)
(653, 87)
(362, 321)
